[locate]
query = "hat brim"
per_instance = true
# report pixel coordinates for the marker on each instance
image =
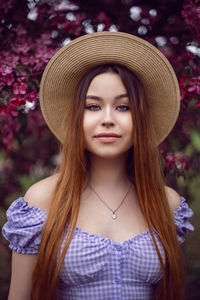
(65, 69)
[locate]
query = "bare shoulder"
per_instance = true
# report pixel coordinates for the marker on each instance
(39, 193)
(173, 197)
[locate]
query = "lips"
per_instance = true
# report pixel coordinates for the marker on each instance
(107, 137)
(106, 134)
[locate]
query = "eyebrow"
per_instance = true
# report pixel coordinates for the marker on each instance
(99, 98)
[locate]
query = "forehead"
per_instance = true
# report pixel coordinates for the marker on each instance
(107, 83)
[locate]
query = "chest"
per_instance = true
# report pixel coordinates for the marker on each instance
(96, 218)
(92, 261)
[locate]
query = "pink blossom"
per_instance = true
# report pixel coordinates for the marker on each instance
(169, 161)
(191, 13)
(38, 67)
(183, 95)
(57, 19)
(198, 12)
(27, 60)
(103, 18)
(183, 80)
(21, 79)
(185, 58)
(6, 80)
(19, 88)
(73, 27)
(18, 101)
(7, 135)
(183, 83)
(80, 17)
(8, 111)
(197, 104)
(45, 39)
(9, 79)
(8, 130)
(5, 69)
(43, 54)
(21, 47)
(10, 59)
(20, 30)
(32, 96)
(194, 85)
(179, 162)
(3, 109)
(12, 110)
(8, 62)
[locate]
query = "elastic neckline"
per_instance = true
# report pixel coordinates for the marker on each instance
(86, 233)
(99, 237)
(102, 238)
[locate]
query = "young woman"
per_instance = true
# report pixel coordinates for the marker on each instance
(104, 226)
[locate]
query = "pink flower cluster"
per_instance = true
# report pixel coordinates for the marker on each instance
(30, 43)
(194, 85)
(9, 130)
(8, 61)
(176, 162)
(19, 88)
(191, 15)
(20, 71)
(102, 18)
(73, 27)
(6, 80)
(190, 90)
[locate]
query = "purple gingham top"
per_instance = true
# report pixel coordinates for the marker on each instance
(96, 268)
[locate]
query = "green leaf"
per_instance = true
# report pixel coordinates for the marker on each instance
(195, 139)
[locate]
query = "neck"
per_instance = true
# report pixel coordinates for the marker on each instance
(108, 173)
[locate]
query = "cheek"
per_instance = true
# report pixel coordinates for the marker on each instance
(132, 128)
(86, 123)
(89, 122)
(128, 125)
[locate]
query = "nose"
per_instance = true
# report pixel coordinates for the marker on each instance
(107, 119)
(108, 124)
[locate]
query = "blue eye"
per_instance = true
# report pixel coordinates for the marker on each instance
(93, 107)
(123, 108)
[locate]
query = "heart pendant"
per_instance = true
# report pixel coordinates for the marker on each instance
(114, 216)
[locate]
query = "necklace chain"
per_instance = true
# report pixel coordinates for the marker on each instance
(114, 216)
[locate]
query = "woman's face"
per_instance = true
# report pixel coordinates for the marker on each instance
(107, 121)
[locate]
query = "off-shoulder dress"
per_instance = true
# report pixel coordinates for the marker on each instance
(95, 267)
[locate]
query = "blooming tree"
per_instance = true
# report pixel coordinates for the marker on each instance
(32, 31)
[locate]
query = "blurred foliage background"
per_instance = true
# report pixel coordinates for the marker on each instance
(31, 31)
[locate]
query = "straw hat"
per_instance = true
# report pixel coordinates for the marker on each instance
(65, 69)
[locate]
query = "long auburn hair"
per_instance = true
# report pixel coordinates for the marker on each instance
(145, 172)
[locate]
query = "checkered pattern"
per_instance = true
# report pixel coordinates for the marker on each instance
(96, 267)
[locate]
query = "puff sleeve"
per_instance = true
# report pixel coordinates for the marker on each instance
(24, 227)
(181, 215)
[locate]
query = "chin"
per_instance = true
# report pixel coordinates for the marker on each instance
(109, 154)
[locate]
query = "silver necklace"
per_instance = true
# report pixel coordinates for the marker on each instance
(114, 215)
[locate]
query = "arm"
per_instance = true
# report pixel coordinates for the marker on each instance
(38, 196)
(21, 276)
(173, 198)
